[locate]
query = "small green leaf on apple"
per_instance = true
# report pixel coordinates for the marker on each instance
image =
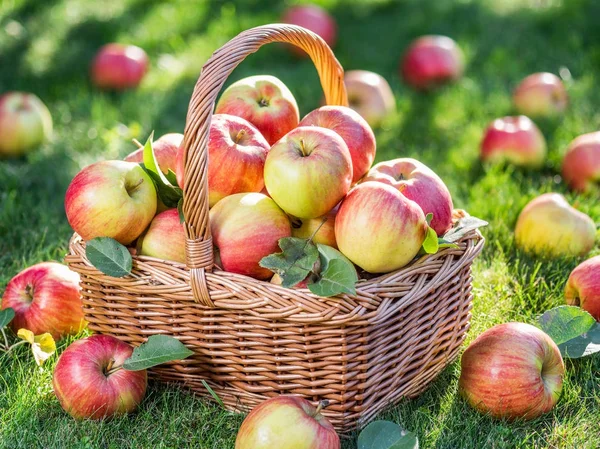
(6, 316)
(109, 256)
(180, 210)
(464, 226)
(586, 344)
(337, 275)
(295, 262)
(431, 244)
(157, 350)
(166, 186)
(172, 178)
(565, 323)
(428, 218)
(386, 435)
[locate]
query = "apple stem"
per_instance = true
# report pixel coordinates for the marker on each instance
(241, 133)
(138, 143)
(111, 368)
(302, 147)
(29, 291)
(133, 188)
(324, 403)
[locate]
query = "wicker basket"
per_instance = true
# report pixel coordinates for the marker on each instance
(252, 339)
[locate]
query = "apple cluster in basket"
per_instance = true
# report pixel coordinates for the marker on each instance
(272, 176)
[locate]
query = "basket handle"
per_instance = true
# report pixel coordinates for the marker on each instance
(199, 248)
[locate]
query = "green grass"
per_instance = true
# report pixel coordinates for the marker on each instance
(46, 46)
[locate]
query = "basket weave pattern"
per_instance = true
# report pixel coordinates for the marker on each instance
(252, 339)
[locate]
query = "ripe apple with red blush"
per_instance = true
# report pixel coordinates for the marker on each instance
(165, 150)
(541, 95)
(370, 95)
(119, 67)
(581, 165)
(164, 238)
(313, 18)
(583, 287)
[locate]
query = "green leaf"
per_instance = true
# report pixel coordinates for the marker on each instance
(386, 435)
(168, 191)
(565, 323)
(430, 244)
(158, 349)
(338, 277)
(464, 226)
(428, 218)
(6, 316)
(583, 345)
(180, 210)
(109, 256)
(172, 178)
(295, 262)
(168, 194)
(443, 243)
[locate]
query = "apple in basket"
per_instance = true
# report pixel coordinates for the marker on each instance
(45, 298)
(512, 370)
(583, 287)
(313, 18)
(308, 171)
(378, 228)
(265, 102)
(119, 67)
(89, 384)
(541, 94)
(111, 199)
(164, 238)
(353, 129)
(419, 183)
(581, 165)
(25, 123)
(165, 149)
(370, 95)
(286, 422)
(550, 226)
(321, 229)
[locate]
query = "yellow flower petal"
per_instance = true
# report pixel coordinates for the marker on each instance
(26, 334)
(46, 343)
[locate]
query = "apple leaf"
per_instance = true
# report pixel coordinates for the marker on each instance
(338, 274)
(158, 349)
(6, 316)
(443, 243)
(431, 244)
(585, 344)
(109, 256)
(428, 218)
(180, 210)
(386, 435)
(295, 262)
(172, 178)
(565, 323)
(464, 226)
(166, 186)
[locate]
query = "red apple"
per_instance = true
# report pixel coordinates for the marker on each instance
(581, 165)
(432, 60)
(514, 139)
(321, 229)
(45, 298)
(370, 95)
(541, 94)
(89, 382)
(419, 183)
(111, 199)
(165, 149)
(265, 102)
(512, 370)
(308, 171)
(353, 129)
(313, 18)
(119, 67)
(378, 228)
(25, 123)
(583, 287)
(164, 238)
(246, 227)
(286, 422)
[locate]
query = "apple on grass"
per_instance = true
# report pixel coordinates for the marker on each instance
(308, 171)
(431, 61)
(165, 149)
(378, 228)
(313, 18)
(353, 129)
(164, 238)
(541, 94)
(111, 199)
(549, 225)
(514, 139)
(265, 102)
(370, 95)
(25, 123)
(581, 165)
(45, 298)
(119, 67)
(90, 383)
(246, 227)
(583, 287)
(286, 422)
(512, 370)
(419, 183)
(321, 229)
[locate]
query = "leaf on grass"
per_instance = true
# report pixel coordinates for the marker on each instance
(386, 435)
(158, 349)
(564, 323)
(294, 263)
(109, 256)
(464, 226)
(168, 192)
(213, 394)
(6, 316)
(180, 210)
(430, 244)
(42, 346)
(583, 345)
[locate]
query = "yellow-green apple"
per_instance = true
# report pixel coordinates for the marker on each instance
(164, 238)
(514, 139)
(541, 95)
(321, 229)
(119, 67)
(419, 183)
(45, 298)
(111, 199)
(378, 228)
(25, 123)
(165, 149)
(265, 102)
(431, 61)
(246, 227)
(308, 171)
(513, 370)
(90, 382)
(313, 18)
(581, 165)
(583, 287)
(370, 95)
(286, 422)
(353, 129)
(550, 226)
